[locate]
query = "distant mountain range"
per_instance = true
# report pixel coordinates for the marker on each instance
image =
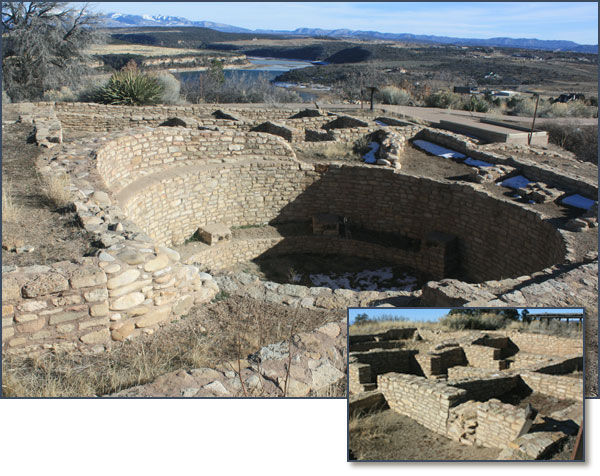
(113, 20)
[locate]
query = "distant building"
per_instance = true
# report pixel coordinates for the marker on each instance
(466, 89)
(568, 97)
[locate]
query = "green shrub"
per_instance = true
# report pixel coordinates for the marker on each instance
(488, 321)
(131, 88)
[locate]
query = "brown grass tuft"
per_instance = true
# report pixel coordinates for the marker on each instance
(57, 188)
(11, 212)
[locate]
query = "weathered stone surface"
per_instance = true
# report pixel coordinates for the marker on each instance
(153, 317)
(129, 288)
(126, 302)
(97, 337)
(66, 316)
(160, 262)
(95, 295)
(121, 333)
(31, 326)
(43, 284)
(87, 277)
(122, 279)
(183, 305)
(131, 256)
(31, 306)
(101, 309)
(10, 289)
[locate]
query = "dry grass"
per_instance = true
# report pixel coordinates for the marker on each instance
(338, 151)
(127, 365)
(11, 212)
(57, 189)
(372, 327)
(143, 50)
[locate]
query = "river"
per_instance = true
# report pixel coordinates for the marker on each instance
(263, 67)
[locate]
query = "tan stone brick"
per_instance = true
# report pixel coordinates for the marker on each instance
(97, 337)
(98, 310)
(153, 317)
(7, 310)
(68, 316)
(31, 326)
(7, 333)
(94, 322)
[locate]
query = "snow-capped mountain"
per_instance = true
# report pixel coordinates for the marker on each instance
(114, 20)
(123, 20)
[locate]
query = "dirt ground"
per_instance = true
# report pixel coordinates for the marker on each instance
(389, 436)
(54, 234)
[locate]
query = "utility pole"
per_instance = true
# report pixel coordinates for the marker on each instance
(373, 90)
(534, 115)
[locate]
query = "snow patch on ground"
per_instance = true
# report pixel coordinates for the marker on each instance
(477, 163)
(368, 280)
(370, 156)
(438, 150)
(381, 123)
(578, 201)
(518, 181)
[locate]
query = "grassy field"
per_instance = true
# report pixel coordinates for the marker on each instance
(144, 50)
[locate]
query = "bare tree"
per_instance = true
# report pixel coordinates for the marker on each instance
(43, 46)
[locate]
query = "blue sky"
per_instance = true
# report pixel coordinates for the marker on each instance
(433, 314)
(576, 21)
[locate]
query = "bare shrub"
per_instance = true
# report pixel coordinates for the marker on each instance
(57, 188)
(171, 88)
(581, 140)
(395, 95)
(64, 94)
(338, 151)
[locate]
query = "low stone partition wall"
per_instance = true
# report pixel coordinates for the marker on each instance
(389, 335)
(386, 360)
(365, 402)
(560, 366)
(427, 402)
(536, 171)
(437, 363)
(498, 424)
(484, 357)
(566, 388)
(546, 344)
(359, 376)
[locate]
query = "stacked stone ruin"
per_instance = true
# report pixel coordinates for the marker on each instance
(141, 189)
(452, 388)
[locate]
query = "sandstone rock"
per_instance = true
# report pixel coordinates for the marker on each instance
(10, 289)
(98, 310)
(153, 317)
(66, 316)
(123, 332)
(123, 279)
(96, 295)
(161, 261)
(217, 388)
(126, 302)
(101, 198)
(87, 277)
(97, 337)
(31, 306)
(31, 326)
(43, 284)
(183, 305)
(132, 257)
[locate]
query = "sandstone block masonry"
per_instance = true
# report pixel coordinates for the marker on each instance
(88, 304)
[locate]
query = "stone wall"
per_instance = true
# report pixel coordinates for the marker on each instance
(438, 362)
(546, 344)
(88, 304)
(141, 152)
(386, 360)
(558, 386)
(498, 424)
(536, 171)
(484, 357)
(359, 375)
(426, 401)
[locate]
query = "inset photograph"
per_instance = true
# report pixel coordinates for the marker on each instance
(467, 384)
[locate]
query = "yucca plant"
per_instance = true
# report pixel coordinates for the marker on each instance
(131, 88)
